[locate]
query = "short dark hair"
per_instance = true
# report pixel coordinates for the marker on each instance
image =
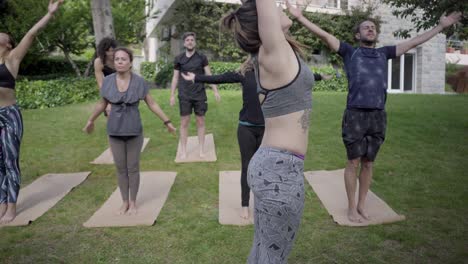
(126, 50)
(104, 45)
(188, 34)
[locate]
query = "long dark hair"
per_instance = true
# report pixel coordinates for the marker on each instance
(243, 22)
(104, 45)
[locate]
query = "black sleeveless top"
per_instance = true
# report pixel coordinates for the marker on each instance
(106, 70)
(6, 78)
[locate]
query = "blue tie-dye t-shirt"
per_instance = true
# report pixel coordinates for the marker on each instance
(366, 69)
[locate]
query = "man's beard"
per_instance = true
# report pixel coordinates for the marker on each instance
(190, 49)
(367, 42)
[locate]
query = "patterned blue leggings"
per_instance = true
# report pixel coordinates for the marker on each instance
(276, 178)
(11, 132)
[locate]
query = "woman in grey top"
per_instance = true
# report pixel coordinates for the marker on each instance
(284, 82)
(124, 90)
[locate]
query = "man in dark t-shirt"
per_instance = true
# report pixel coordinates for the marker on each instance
(365, 120)
(192, 96)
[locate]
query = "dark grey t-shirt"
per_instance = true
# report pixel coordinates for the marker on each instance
(366, 69)
(196, 64)
(124, 118)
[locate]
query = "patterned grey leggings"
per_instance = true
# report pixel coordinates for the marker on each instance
(11, 132)
(276, 178)
(126, 152)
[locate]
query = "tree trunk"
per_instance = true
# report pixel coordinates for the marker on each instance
(89, 66)
(103, 23)
(73, 64)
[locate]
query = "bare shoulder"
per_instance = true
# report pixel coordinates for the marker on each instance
(98, 63)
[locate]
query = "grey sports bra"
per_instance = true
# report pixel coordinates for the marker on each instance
(293, 97)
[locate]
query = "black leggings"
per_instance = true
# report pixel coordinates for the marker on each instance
(249, 138)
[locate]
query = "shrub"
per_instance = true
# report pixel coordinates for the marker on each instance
(148, 71)
(334, 84)
(46, 94)
(164, 74)
(218, 67)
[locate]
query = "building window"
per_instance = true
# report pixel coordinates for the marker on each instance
(402, 73)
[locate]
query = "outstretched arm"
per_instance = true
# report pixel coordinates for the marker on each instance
(445, 22)
(332, 42)
(18, 53)
(155, 108)
(98, 109)
(227, 77)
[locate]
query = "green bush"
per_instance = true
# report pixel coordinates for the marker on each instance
(46, 94)
(219, 67)
(148, 71)
(334, 84)
(164, 75)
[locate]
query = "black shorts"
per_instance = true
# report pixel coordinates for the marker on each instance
(186, 105)
(363, 132)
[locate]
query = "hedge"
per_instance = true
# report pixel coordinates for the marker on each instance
(45, 94)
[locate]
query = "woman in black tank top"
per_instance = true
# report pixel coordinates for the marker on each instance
(104, 63)
(11, 121)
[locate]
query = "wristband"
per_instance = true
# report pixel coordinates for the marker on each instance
(167, 122)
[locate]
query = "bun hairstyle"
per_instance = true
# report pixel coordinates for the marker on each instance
(243, 22)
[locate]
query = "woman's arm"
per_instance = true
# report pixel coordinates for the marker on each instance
(227, 77)
(18, 53)
(155, 108)
(98, 66)
(98, 109)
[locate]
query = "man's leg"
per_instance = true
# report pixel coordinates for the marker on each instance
(350, 179)
(201, 134)
(200, 108)
(374, 138)
(184, 124)
(365, 179)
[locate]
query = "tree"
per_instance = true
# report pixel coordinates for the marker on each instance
(202, 17)
(70, 31)
(426, 13)
(129, 21)
(103, 23)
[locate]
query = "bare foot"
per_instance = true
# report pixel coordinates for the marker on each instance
(183, 154)
(3, 208)
(133, 209)
(363, 213)
(123, 209)
(354, 216)
(244, 212)
(9, 215)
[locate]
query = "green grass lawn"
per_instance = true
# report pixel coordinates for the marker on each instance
(420, 172)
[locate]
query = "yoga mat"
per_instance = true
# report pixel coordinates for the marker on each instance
(42, 194)
(193, 151)
(329, 187)
(230, 200)
(107, 158)
(153, 192)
